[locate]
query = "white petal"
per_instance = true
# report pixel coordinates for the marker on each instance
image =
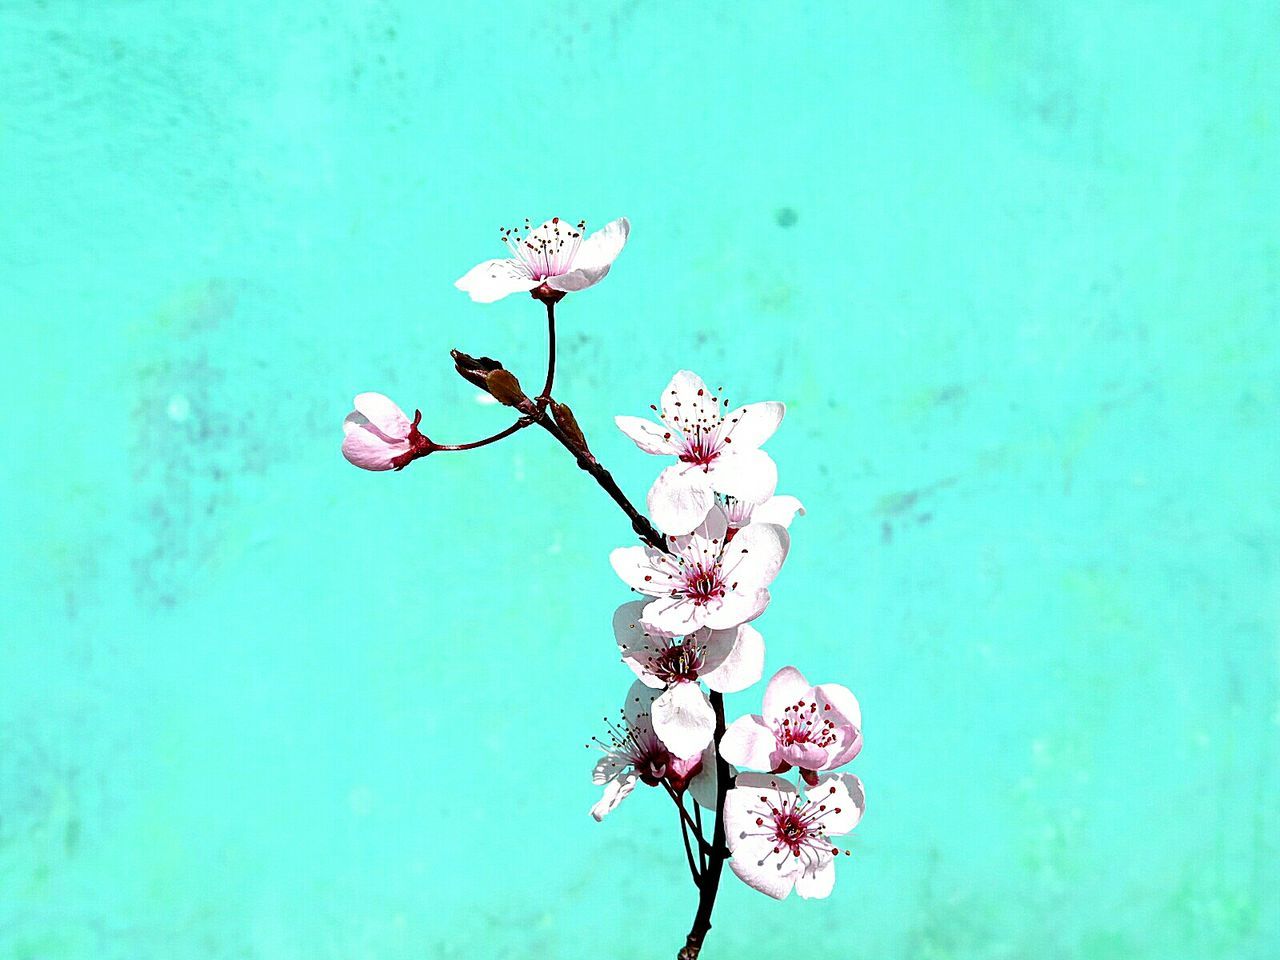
(749, 475)
(670, 617)
(643, 569)
(748, 427)
(683, 719)
(703, 544)
(703, 785)
(615, 791)
(841, 699)
(578, 279)
(382, 412)
(734, 608)
(817, 885)
(647, 435)
(688, 406)
(755, 555)
(754, 865)
(749, 743)
(637, 708)
(786, 688)
(843, 792)
(495, 279)
(638, 648)
(680, 498)
(780, 510)
(743, 665)
(601, 248)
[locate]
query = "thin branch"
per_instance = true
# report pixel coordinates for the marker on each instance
(501, 435)
(545, 395)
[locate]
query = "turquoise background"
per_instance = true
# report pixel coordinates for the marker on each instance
(1011, 264)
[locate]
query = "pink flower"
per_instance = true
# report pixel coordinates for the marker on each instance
(378, 436)
(780, 839)
(554, 255)
(714, 454)
(726, 660)
(633, 753)
(813, 728)
(704, 581)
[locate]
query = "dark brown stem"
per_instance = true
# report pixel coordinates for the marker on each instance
(710, 884)
(545, 395)
(639, 522)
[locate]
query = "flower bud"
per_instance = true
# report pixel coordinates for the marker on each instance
(565, 420)
(490, 376)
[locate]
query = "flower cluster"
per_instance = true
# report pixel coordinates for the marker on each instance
(725, 540)
(716, 538)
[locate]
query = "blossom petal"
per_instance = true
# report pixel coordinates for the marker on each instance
(749, 743)
(734, 608)
(643, 569)
(749, 475)
(704, 543)
(602, 247)
(842, 792)
(366, 449)
(647, 435)
(780, 510)
(848, 720)
(817, 884)
(383, 413)
(495, 279)
(754, 860)
(786, 688)
(806, 756)
(750, 426)
(615, 791)
(638, 648)
(755, 555)
(688, 406)
(672, 617)
(679, 499)
(742, 666)
(683, 719)
(637, 708)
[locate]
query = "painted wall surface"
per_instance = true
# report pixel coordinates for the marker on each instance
(1011, 264)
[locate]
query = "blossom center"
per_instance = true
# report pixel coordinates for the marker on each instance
(802, 722)
(794, 827)
(679, 663)
(702, 584)
(700, 448)
(548, 250)
(635, 745)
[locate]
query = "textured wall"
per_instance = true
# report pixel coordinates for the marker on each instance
(1013, 267)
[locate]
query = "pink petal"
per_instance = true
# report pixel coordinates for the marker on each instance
(780, 510)
(602, 247)
(786, 688)
(744, 663)
(749, 743)
(647, 435)
(615, 791)
(671, 617)
(816, 883)
(367, 450)
(643, 569)
(688, 406)
(638, 648)
(749, 475)
(495, 279)
(679, 499)
(380, 411)
(841, 791)
(734, 608)
(683, 719)
(755, 555)
(750, 426)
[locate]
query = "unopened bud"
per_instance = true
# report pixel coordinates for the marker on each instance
(565, 420)
(490, 376)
